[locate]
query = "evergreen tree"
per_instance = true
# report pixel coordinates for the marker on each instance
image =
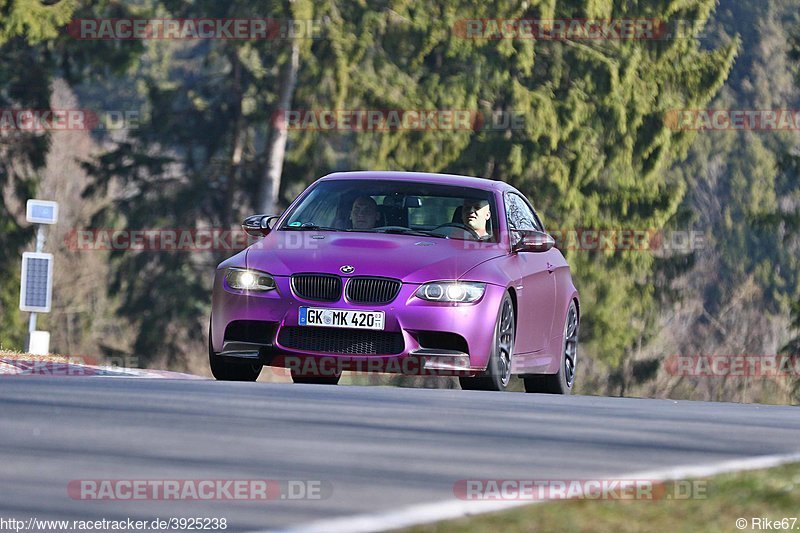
(196, 160)
(592, 151)
(595, 146)
(27, 27)
(742, 189)
(34, 50)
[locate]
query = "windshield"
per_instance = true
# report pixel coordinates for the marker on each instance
(397, 207)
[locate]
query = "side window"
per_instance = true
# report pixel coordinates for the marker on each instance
(520, 216)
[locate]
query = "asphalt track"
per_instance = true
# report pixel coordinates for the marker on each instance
(378, 450)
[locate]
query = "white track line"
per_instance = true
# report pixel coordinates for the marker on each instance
(426, 513)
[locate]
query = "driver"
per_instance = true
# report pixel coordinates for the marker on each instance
(364, 213)
(475, 214)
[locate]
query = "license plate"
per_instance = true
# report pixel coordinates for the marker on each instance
(341, 318)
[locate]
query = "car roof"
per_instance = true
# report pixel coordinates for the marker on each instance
(425, 177)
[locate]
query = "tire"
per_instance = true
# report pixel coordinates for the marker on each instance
(497, 375)
(562, 381)
(316, 380)
(226, 370)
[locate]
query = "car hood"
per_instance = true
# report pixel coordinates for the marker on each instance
(414, 259)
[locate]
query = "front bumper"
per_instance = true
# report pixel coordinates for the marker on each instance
(416, 320)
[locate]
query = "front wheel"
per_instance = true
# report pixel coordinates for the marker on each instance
(226, 370)
(562, 381)
(498, 371)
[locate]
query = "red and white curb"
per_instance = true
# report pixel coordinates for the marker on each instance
(33, 367)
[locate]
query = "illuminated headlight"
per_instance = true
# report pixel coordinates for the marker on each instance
(249, 280)
(451, 291)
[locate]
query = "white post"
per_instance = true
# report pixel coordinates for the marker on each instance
(40, 236)
(40, 212)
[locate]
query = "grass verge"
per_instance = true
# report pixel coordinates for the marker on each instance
(771, 494)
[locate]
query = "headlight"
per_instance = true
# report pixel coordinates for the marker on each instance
(249, 280)
(451, 291)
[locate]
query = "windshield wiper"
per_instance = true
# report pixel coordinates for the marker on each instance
(310, 226)
(408, 231)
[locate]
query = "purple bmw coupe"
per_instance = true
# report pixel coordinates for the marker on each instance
(426, 274)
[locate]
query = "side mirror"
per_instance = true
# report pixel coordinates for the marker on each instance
(534, 241)
(258, 225)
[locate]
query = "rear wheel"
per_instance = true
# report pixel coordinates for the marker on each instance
(224, 369)
(498, 371)
(562, 381)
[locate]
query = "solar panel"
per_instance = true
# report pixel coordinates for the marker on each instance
(36, 289)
